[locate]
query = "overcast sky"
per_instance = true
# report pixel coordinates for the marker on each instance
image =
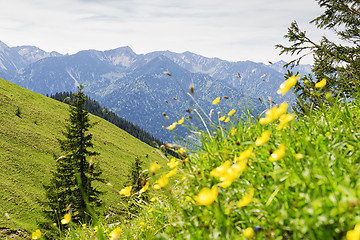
(234, 30)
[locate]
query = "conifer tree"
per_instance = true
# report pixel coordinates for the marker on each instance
(338, 60)
(71, 187)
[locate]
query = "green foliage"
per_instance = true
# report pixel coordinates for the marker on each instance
(337, 61)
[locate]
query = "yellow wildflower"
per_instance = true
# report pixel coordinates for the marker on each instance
(181, 121)
(84, 225)
(222, 118)
(172, 126)
(221, 170)
(115, 234)
(233, 131)
(249, 232)
(225, 184)
(231, 112)
(207, 196)
(173, 163)
(227, 119)
(126, 191)
(354, 234)
(154, 167)
(245, 154)
(171, 173)
(321, 84)
(153, 199)
(36, 234)
(66, 219)
(187, 198)
(150, 210)
(278, 153)
(299, 156)
(247, 199)
(264, 138)
(280, 110)
(96, 229)
(142, 223)
(144, 188)
(183, 178)
(161, 182)
(289, 83)
(216, 101)
(284, 120)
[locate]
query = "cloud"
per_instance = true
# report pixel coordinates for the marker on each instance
(209, 27)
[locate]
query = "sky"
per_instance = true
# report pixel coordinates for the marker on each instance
(234, 30)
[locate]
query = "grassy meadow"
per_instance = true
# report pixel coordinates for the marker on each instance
(30, 125)
(274, 176)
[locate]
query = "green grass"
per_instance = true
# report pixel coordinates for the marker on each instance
(27, 146)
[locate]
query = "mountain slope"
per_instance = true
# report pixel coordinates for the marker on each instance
(30, 125)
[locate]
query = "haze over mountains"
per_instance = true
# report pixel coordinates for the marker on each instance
(135, 87)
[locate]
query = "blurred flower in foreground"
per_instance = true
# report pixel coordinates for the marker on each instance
(171, 173)
(115, 234)
(144, 188)
(66, 219)
(278, 153)
(299, 156)
(247, 199)
(173, 163)
(36, 234)
(249, 232)
(161, 182)
(207, 196)
(154, 167)
(284, 120)
(273, 113)
(126, 191)
(264, 138)
(289, 83)
(321, 84)
(354, 234)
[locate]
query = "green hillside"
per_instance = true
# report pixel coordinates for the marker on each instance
(30, 125)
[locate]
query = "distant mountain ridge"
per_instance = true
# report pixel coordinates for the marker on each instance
(135, 87)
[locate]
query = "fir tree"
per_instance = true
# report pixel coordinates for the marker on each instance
(71, 187)
(337, 61)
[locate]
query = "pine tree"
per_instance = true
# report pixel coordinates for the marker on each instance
(71, 187)
(336, 61)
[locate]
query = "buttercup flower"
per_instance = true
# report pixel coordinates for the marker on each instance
(181, 121)
(284, 120)
(66, 219)
(249, 232)
(161, 182)
(171, 173)
(144, 188)
(126, 191)
(227, 119)
(173, 163)
(115, 234)
(245, 154)
(222, 118)
(36, 234)
(321, 84)
(354, 234)
(207, 196)
(216, 101)
(247, 199)
(299, 156)
(288, 84)
(172, 126)
(221, 170)
(264, 138)
(273, 113)
(231, 112)
(154, 167)
(278, 153)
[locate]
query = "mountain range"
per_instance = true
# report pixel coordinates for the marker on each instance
(135, 87)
